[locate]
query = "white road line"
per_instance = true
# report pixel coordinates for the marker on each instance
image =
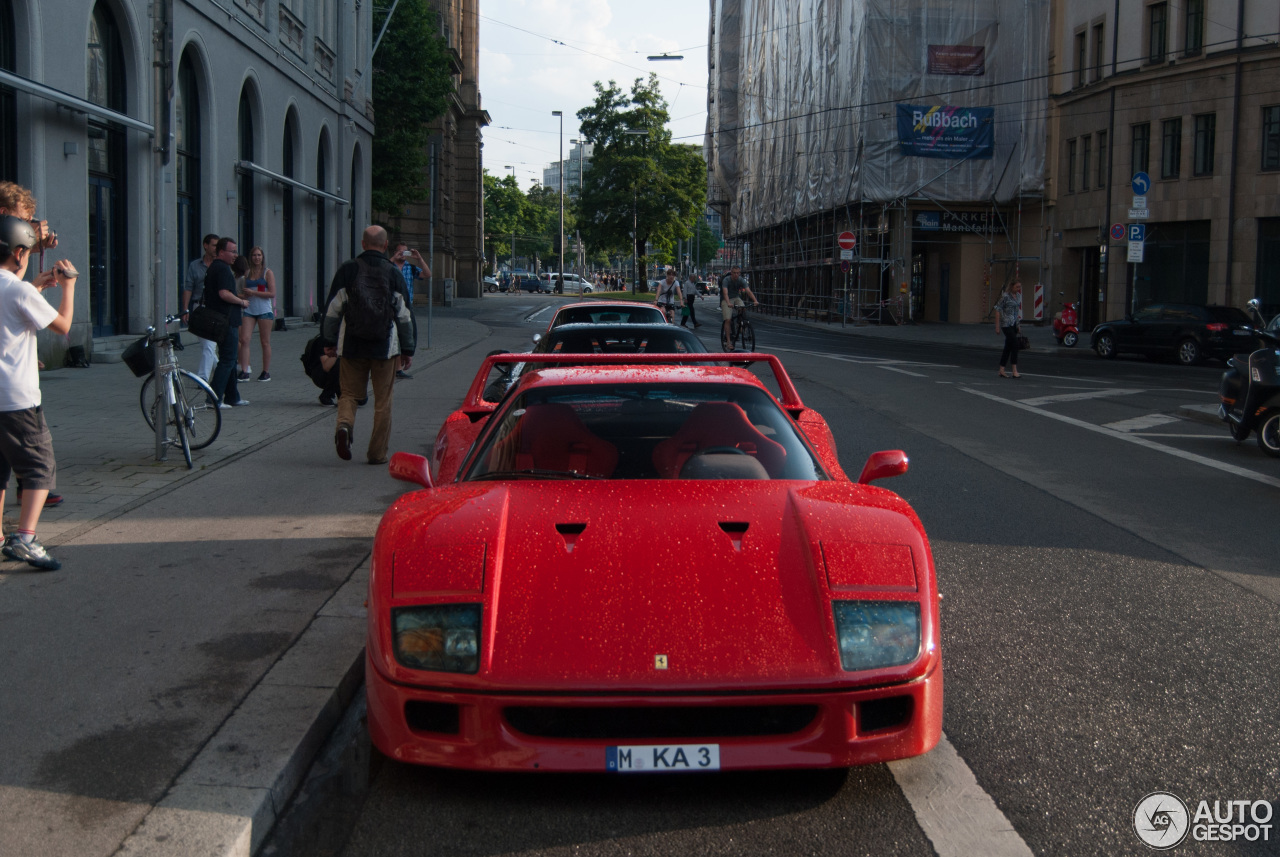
(1185, 436)
(960, 819)
(1068, 378)
(1078, 397)
(1134, 439)
(902, 371)
(1137, 424)
(531, 316)
(869, 361)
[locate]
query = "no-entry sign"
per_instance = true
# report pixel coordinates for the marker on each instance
(847, 240)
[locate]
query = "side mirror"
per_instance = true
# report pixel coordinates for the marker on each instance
(1255, 303)
(537, 337)
(880, 465)
(408, 467)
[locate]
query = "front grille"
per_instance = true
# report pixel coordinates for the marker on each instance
(609, 723)
(888, 713)
(431, 717)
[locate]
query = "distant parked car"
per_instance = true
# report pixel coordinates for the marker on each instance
(1186, 332)
(490, 284)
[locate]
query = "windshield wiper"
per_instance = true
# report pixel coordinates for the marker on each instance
(533, 472)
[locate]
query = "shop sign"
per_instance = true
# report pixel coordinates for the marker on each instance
(983, 222)
(944, 131)
(957, 59)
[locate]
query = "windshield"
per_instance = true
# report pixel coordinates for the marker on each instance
(664, 339)
(644, 431)
(609, 315)
(1229, 315)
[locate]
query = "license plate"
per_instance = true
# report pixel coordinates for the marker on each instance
(1242, 332)
(662, 758)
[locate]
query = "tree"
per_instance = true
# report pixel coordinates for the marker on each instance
(644, 179)
(411, 87)
(503, 208)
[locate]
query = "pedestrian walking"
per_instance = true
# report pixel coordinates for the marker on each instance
(26, 446)
(690, 295)
(412, 267)
(260, 292)
(193, 290)
(368, 324)
(220, 295)
(1008, 317)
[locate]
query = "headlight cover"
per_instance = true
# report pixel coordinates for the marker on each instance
(440, 637)
(874, 634)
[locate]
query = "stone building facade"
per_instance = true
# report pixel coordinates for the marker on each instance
(458, 260)
(272, 128)
(1185, 92)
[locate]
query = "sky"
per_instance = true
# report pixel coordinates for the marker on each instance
(537, 56)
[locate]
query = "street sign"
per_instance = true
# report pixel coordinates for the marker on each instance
(1137, 232)
(1139, 214)
(1117, 232)
(1135, 251)
(845, 265)
(847, 241)
(1139, 202)
(846, 255)
(1141, 183)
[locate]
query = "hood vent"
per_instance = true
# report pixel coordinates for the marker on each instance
(570, 533)
(735, 531)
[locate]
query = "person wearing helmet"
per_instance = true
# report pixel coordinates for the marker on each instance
(26, 447)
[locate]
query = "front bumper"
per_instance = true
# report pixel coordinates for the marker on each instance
(474, 731)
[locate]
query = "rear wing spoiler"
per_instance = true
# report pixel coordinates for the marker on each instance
(476, 405)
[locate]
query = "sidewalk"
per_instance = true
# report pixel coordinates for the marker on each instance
(166, 691)
(980, 336)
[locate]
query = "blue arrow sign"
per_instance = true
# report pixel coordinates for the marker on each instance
(1141, 183)
(1137, 232)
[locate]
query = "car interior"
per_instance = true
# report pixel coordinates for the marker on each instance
(701, 432)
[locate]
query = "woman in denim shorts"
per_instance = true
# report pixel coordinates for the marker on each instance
(260, 291)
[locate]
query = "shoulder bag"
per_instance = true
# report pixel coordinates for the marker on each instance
(207, 323)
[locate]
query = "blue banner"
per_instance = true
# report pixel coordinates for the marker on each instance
(946, 132)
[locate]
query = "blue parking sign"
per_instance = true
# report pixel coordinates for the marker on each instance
(1137, 232)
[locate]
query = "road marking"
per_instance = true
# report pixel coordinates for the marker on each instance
(1078, 397)
(1134, 439)
(531, 316)
(902, 371)
(870, 361)
(1185, 436)
(959, 818)
(1068, 378)
(1140, 423)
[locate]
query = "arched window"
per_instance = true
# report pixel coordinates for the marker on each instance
(322, 224)
(8, 99)
(244, 198)
(352, 214)
(187, 130)
(285, 303)
(105, 86)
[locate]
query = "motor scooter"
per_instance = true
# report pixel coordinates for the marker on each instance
(1250, 391)
(1065, 324)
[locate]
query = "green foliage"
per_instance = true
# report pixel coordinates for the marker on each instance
(647, 180)
(411, 87)
(534, 217)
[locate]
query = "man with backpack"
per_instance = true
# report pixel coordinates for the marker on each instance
(369, 325)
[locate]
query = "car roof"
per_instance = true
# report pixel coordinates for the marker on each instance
(561, 332)
(541, 377)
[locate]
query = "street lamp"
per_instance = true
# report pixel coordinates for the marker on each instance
(560, 256)
(635, 227)
(513, 233)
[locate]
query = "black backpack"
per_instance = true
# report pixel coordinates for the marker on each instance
(311, 361)
(370, 307)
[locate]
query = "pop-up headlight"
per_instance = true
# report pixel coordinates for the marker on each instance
(873, 634)
(441, 637)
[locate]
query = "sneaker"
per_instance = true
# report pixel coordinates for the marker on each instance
(327, 400)
(240, 404)
(32, 553)
(242, 376)
(265, 376)
(403, 375)
(342, 439)
(49, 502)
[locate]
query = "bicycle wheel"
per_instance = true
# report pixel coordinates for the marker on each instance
(747, 336)
(201, 417)
(180, 425)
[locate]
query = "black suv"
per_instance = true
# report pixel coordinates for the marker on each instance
(1186, 332)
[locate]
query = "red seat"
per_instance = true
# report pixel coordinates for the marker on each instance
(717, 424)
(553, 438)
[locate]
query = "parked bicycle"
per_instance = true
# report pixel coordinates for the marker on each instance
(189, 403)
(742, 337)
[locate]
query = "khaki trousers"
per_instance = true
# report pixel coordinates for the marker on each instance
(354, 374)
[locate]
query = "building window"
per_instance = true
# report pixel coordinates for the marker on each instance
(1157, 32)
(1102, 159)
(1203, 160)
(1099, 49)
(1171, 148)
(1071, 166)
(1271, 138)
(1193, 42)
(1140, 155)
(1082, 57)
(187, 130)
(245, 200)
(1086, 160)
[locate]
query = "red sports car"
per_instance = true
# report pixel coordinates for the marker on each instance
(638, 566)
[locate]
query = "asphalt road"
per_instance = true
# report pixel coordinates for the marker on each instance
(1109, 621)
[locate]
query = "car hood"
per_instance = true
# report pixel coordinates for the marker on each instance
(594, 584)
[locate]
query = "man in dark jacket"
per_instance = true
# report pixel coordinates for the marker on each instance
(220, 294)
(366, 359)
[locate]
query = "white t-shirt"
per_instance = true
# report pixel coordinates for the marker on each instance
(23, 312)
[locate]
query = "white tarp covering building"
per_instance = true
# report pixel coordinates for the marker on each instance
(816, 104)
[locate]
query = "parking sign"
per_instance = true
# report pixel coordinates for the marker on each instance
(1137, 232)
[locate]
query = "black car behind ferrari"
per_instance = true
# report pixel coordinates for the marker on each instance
(1186, 332)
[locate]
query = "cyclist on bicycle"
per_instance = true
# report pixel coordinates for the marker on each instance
(732, 288)
(667, 293)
